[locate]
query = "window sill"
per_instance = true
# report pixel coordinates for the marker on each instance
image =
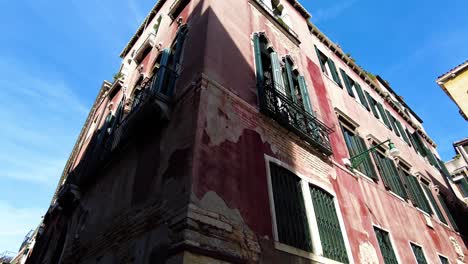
(364, 176)
(305, 254)
(421, 211)
(398, 196)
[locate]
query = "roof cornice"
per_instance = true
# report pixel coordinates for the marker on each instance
(363, 75)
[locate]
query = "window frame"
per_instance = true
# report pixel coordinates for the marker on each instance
(422, 249)
(392, 241)
(443, 256)
(317, 251)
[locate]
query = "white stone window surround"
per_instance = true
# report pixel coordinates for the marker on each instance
(392, 241)
(317, 255)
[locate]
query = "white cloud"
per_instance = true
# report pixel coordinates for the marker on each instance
(333, 11)
(15, 223)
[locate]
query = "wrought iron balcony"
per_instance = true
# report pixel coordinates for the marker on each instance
(149, 109)
(275, 104)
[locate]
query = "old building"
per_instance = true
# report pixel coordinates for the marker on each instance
(458, 168)
(455, 85)
(240, 137)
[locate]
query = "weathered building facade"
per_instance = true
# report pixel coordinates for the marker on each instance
(455, 85)
(458, 168)
(225, 139)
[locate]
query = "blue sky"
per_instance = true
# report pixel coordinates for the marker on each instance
(55, 55)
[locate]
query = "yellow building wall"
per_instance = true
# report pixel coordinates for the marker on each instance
(458, 89)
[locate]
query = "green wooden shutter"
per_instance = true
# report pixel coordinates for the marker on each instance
(334, 72)
(277, 74)
(418, 254)
(328, 225)
(392, 123)
(367, 166)
(463, 185)
(290, 82)
(432, 158)
(447, 212)
(382, 168)
(386, 247)
(372, 104)
(362, 98)
(421, 201)
(258, 60)
(402, 132)
(162, 70)
(384, 115)
(410, 138)
(443, 168)
(419, 144)
(397, 184)
(347, 82)
(305, 95)
(291, 217)
(322, 59)
(409, 190)
(434, 204)
(157, 25)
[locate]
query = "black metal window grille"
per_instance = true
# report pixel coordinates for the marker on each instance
(418, 254)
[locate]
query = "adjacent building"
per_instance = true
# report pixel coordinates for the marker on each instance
(227, 137)
(458, 168)
(455, 85)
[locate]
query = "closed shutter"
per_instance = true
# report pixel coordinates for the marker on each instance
(162, 70)
(434, 204)
(463, 184)
(347, 81)
(322, 59)
(397, 185)
(277, 74)
(382, 167)
(367, 166)
(305, 95)
(402, 132)
(443, 168)
(447, 212)
(258, 60)
(334, 72)
(419, 144)
(384, 115)
(392, 123)
(372, 104)
(410, 138)
(291, 218)
(289, 80)
(362, 98)
(432, 158)
(328, 225)
(385, 246)
(157, 25)
(409, 190)
(418, 254)
(421, 201)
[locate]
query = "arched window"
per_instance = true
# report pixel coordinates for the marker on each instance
(169, 64)
(137, 94)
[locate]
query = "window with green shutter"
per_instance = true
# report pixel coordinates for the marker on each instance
(324, 62)
(348, 83)
(357, 145)
(419, 144)
(372, 104)
(463, 186)
(328, 224)
(443, 260)
(385, 246)
(418, 254)
(384, 116)
(392, 123)
(420, 200)
(402, 132)
(389, 174)
(291, 217)
(447, 212)
(437, 210)
(361, 96)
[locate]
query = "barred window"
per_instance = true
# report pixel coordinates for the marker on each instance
(386, 248)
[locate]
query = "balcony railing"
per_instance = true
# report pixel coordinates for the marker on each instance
(275, 104)
(151, 108)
